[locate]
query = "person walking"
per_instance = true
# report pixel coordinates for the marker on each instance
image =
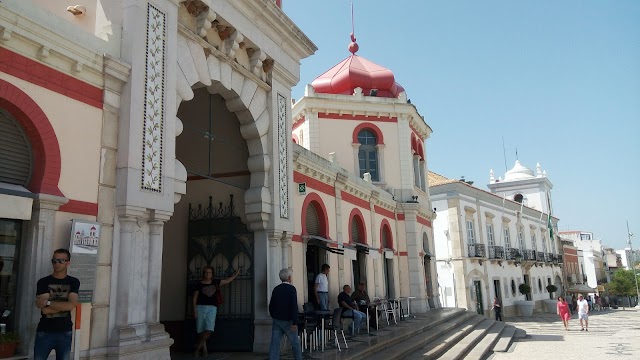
(322, 288)
(205, 306)
(562, 309)
(583, 313)
(497, 307)
(56, 297)
(283, 308)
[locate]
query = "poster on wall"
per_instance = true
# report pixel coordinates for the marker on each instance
(85, 237)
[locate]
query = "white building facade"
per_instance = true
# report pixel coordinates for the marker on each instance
(479, 235)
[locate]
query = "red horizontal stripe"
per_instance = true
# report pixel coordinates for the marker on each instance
(313, 183)
(296, 238)
(334, 116)
(354, 200)
(44, 76)
(403, 253)
(384, 212)
(424, 221)
(298, 123)
(220, 175)
(80, 207)
(401, 217)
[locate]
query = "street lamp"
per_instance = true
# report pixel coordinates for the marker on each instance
(517, 259)
(633, 266)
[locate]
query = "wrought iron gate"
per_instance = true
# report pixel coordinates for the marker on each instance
(218, 238)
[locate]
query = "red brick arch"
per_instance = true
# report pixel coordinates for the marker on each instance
(45, 149)
(313, 199)
(385, 227)
(368, 126)
(362, 229)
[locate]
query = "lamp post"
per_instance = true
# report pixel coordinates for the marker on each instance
(633, 267)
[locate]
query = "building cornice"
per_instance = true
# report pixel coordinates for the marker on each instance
(79, 56)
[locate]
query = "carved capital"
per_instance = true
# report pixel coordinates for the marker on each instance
(204, 21)
(257, 57)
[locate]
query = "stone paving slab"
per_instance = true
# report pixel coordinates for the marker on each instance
(613, 334)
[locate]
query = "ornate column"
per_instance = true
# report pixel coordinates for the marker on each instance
(155, 329)
(287, 250)
(37, 245)
(275, 256)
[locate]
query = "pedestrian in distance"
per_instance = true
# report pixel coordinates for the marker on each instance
(562, 309)
(497, 307)
(322, 288)
(206, 299)
(583, 313)
(56, 297)
(283, 308)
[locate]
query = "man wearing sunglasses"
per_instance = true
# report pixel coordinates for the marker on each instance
(56, 297)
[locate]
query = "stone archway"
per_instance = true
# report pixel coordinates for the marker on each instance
(247, 99)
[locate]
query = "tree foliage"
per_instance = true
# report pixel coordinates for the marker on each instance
(622, 283)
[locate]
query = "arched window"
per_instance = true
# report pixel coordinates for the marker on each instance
(386, 240)
(356, 231)
(368, 154)
(312, 220)
(15, 152)
(425, 244)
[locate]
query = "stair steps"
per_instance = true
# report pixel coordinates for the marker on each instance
(506, 337)
(442, 343)
(460, 349)
(485, 345)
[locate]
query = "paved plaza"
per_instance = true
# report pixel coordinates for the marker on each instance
(613, 334)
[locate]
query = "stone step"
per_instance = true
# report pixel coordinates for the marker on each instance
(459, 350)
(506, 337)
(401, 350)
(382, 344)
(446, 340)
(481, 349)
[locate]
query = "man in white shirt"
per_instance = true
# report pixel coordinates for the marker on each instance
(583, 312)
(322, 288)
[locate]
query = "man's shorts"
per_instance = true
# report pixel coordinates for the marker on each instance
(583, 316)
(206, 318)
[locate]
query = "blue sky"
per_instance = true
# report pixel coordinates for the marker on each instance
(559, 80)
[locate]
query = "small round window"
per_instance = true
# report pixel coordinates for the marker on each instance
(513, 288)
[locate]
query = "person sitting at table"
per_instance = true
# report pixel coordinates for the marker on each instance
(350, 309)
(361, 297)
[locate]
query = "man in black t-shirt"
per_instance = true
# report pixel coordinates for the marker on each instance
(56, 297)
(350, 309)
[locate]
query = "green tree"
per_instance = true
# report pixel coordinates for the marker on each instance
(622, 283)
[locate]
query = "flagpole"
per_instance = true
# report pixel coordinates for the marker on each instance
(633, 267)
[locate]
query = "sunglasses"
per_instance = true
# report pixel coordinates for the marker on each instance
(59, 261)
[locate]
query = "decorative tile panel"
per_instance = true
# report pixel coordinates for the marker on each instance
(153, 101)
(283, 158)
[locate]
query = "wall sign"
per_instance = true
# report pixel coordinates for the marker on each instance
(85, 237)
(302, 188)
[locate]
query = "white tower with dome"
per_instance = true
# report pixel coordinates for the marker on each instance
(522, 184)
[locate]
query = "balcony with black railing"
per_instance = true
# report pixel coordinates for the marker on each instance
(496, 252)
(528, 255)
(540, 257)
(477, 250)
(550, 257)
(510, 253)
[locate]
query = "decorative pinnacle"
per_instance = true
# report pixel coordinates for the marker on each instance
(353, 47)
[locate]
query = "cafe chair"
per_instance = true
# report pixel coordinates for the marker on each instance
(389, 308)
(309, 331)
(336, 324)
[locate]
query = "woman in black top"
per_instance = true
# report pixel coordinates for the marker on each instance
(205, 306)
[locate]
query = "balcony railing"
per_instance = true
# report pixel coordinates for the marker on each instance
(477, 250)
(550, 257)
(529, 255)
(496, 252)
(510, 253)
(540, 256)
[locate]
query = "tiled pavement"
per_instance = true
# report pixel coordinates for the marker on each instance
(613, 334)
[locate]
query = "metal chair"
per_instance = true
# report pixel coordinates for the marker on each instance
(389, 307)
(309, 329)
(336, 324)
(353, 321)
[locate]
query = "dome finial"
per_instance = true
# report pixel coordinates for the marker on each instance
(353, 46)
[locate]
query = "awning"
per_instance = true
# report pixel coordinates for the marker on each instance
(322, 243)
(580, 288)
(15, 202)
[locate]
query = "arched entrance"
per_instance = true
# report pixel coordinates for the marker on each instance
(386, 243)
(314, 227)
(358, 238)
(220, 166)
